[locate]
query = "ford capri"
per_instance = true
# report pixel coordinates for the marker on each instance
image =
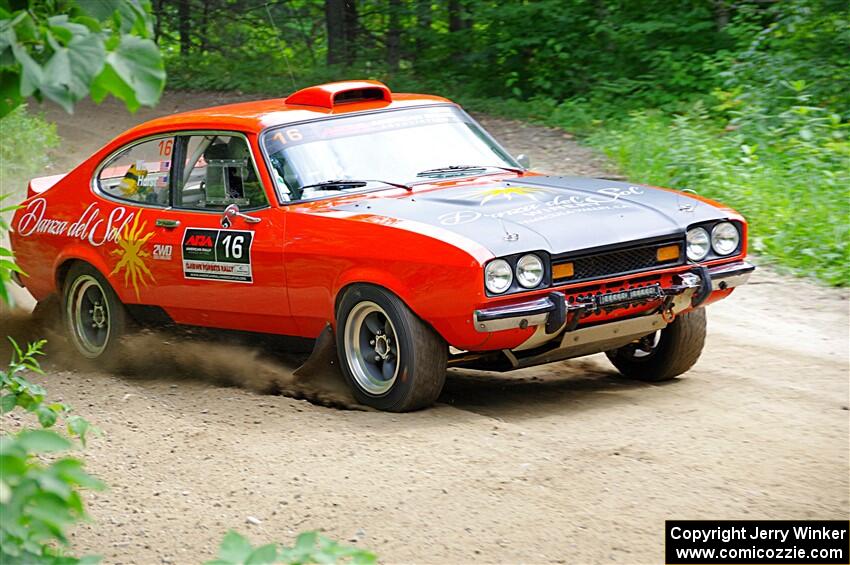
(392, 226)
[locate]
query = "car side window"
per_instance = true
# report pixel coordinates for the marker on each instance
(139, 173)
(218, 171)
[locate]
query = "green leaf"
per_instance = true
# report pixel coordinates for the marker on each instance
(42, 441)
(55, 485)
(263, 555)
(16, 347)
(8, 403)
(71, 69)
(138, 64)
(5, 492)
(46, 416)
(101, 9)
(234, 548)
(51, 510)
(57, 80)
(78, 426)
(9, 266)
(4, 294)
(72, 471)
(108, 82)
(87, 56)
(306, 541)
(32, 75)
(65, 24)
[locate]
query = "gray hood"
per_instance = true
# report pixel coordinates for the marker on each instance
(554, 214)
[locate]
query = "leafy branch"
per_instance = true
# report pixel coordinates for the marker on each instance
(38, 501)
(310, 547)
(79, 49)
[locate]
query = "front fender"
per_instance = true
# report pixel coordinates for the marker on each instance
(370, 275)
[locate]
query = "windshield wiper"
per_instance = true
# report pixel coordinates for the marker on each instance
(451, 169)
(345, 184)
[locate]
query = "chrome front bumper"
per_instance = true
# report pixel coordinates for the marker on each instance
(730, 276)
(552, 312)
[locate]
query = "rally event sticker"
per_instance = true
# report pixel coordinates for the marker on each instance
(217, 255)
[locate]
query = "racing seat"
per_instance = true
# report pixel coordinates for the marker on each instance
(230, 178)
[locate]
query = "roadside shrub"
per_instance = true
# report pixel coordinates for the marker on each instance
(786, 172)
(786, 167)
(25, 140)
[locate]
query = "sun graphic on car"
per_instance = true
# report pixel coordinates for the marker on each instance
(131, 250)
(507, 192)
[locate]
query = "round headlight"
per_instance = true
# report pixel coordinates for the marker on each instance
(725, 238)
(698, 244)
(498, 276)
(529, 271)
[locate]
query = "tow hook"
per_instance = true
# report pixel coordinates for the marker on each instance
(704, 289)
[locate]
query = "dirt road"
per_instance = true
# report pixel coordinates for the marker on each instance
(566, 463)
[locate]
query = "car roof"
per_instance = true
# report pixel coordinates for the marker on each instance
(310, 103)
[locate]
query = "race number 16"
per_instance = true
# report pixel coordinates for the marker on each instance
(233, 246)
(291, 134)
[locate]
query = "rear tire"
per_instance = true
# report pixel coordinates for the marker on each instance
(392, 360)
(665, 354)
(94, 318)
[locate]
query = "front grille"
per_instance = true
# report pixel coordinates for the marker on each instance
(617, 262)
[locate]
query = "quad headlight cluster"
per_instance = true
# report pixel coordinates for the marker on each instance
(722, 238)
(528, 271)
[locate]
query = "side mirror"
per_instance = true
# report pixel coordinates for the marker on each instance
(523, 160)
(231, 212)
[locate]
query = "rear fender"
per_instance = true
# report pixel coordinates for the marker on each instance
(79, 252)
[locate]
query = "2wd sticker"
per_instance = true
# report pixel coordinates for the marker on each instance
(217, 255)
(162, 252)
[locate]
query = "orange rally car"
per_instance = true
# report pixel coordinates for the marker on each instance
(393, 223)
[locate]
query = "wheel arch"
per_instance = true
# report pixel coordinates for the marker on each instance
(348, 285)
(77, 254)
(391, 288)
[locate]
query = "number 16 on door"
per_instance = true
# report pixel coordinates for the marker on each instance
(217, 255)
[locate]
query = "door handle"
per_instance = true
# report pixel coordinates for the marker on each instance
(232, 211)
(170, 224)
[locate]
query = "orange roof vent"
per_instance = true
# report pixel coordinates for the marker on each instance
(336, 93)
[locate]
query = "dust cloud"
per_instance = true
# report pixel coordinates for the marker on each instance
(181, 355)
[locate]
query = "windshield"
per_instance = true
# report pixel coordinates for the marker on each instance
(393, 146)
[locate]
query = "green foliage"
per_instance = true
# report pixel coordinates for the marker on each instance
(7, 263)
(786, 173)
(310, 547)
(39, 499)
(66, 50)
(24, 148)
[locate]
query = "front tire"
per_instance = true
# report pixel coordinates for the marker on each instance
(665, 354)
(392, 360)
(94, 317)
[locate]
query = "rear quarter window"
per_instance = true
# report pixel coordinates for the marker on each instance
(139, 173)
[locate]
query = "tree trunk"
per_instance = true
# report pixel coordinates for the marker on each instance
(184, 26)
(394, 35)
(156, 8)
(335, 26)
(721, 14)
(455, 16)
(423, 18)
(352, 30)
(204, 27)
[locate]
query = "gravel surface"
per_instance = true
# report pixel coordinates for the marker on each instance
(565, 463)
